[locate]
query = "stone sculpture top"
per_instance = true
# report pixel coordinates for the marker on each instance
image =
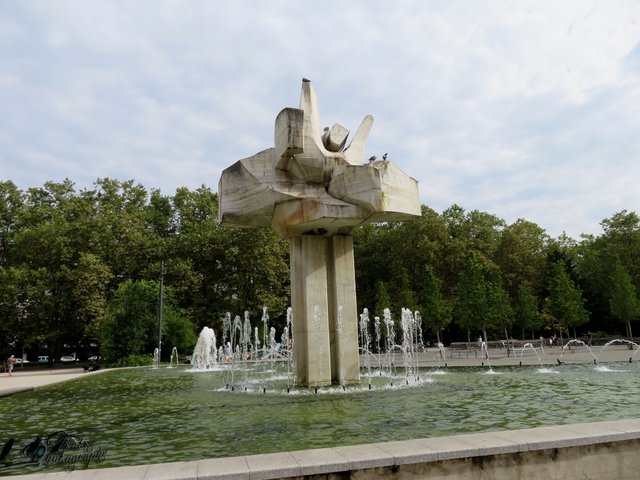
(311, 183)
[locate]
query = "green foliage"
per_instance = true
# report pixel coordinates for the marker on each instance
(526, 309)
(521, 256)
(470, 308)
(435, 311)
(131, 328)
(177, 332)
(138, 361)
(624, 302)
(499, 314)
(565, 300)
(77, 266)
(382, 299)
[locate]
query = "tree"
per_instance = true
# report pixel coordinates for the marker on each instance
(566, 302)
(624, 302)
(404, 293)
(378, 258)
(197, 269)
(178, 332)
(597, 260)
(131, 327)
(382, 299)
(128, 329)
(521, 256)
(91, 278)
(127, 244)
(255, 272)
(470, 308)
(498, 311)
(11, 206)
(435, 311)
(526, 310)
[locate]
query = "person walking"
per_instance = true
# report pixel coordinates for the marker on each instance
(11, 361)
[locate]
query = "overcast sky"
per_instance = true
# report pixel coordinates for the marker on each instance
(524, 109)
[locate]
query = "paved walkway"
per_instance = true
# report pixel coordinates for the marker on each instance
(22, 381)
(529, 356)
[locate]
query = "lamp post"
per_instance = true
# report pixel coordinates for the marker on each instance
(162, 272)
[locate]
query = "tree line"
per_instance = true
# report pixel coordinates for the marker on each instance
(81, 269)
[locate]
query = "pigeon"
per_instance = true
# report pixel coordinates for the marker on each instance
(384, 157)
(306, 80)
(372, 159)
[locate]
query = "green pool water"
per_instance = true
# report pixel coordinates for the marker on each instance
(138, 416)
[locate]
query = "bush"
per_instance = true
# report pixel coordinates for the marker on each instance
(139, 360)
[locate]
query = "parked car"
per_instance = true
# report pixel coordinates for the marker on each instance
(43, 359)
(19, 361)
(69, 358)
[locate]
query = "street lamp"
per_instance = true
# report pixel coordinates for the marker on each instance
(162, 272)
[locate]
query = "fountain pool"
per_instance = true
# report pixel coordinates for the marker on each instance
(145, 415)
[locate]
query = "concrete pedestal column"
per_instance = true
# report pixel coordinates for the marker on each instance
(323, 300)
(343, 315)
(310, 310)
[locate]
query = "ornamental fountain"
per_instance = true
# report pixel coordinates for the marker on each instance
(314, 190)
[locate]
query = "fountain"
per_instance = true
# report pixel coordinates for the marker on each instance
(205, 353)
(530, 347)
(156, 358)
(174, 358)
(365, 342)
(253, 366)
(621, 341)
(579, 343)
(313, 189)
(119, 410)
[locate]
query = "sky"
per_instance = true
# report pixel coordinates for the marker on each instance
(523, 109)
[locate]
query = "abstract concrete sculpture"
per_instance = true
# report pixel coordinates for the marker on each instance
(314, 191)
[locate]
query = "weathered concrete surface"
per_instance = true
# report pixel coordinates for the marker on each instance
(591, 451)
(322, 269)
(313, 189)
(310, 182)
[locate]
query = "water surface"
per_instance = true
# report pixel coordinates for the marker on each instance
(139, 416)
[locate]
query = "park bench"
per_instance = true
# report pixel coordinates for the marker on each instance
(463, 349)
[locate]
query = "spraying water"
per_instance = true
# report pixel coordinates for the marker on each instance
(579, 343)
(340, 333)
(529, 346)
(621, 341)
(205, 353)
(365, 341)
(156, 358)
(174, 358)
